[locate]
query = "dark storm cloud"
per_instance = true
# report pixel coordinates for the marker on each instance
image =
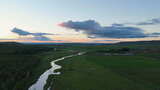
(154, 21)
(95, 30)
(36, 36)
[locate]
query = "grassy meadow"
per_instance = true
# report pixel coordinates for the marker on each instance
(21, 64)
(103, 67)
(97, 70)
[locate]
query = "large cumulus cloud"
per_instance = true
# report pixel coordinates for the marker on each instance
(94, 29)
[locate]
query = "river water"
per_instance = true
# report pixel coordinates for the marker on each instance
(42, 80)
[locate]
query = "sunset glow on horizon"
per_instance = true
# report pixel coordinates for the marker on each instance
(79, 21)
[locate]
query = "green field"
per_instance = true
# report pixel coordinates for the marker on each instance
(96, 71)
(103, 67)
(21, 65)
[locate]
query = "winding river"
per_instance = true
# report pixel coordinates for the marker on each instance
(41, 82)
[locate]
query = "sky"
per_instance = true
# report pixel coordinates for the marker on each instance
(99, 21)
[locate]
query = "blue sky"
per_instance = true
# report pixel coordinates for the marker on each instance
(44, 15)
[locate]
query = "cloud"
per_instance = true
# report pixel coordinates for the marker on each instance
(107, 41)
(20, 32)
(41, 38)
(94, 30)
(154, 21)
(36, 36)
(24, 33)
(156, 34)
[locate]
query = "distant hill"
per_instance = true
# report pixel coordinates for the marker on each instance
(10, 43)
(20, 48)
(156, 42)
(68, 43)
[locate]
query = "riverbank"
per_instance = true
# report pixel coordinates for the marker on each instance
(17, 64)
(42, 80)
(21, 65)
(93, 72)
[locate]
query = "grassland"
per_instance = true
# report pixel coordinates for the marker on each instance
(97, 71)
(103, 67)
(21, 65)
